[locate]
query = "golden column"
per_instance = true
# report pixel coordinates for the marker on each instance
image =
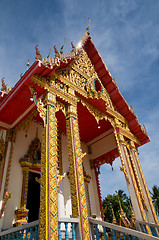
(22, 212)
(130, 178)
(145, 194)
(25, 170)
(42, 226)
(78, 195)
(49, 212)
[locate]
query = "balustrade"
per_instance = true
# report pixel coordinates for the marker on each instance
(68, 229)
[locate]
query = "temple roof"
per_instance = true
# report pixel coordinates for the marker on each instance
(15, 106)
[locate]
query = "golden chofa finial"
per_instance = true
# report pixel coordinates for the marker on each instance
(56, 52)
(4, 86)
(38, 55)
(61, 49)
(87, 29)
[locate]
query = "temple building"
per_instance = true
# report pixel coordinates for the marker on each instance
(63, 119)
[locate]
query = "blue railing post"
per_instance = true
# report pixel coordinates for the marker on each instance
(60, 231)
(22, 231)
(18, 235)
(26, 234)
(31, 233)
(73, 232)
(66, 231)
(119, 235)
(124, 236)
(114, 234)
(97, 232)
(153, 231)
(10, 236)
(36, 232)
(105, 234)
(13, 236)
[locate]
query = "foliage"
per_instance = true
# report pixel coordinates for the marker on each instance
(113, 200)
(155, 198)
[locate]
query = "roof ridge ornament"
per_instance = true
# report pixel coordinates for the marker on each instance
(73, 47)
(56, 52)
(61, 50)
(4, 88)
(87, 29)
(38, 55)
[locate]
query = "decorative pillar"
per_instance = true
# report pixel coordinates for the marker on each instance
(22, 213)
(42, 226)
(87, 180)
(2, 158)
(24, 186)
(49, 177)
(145, 194)
(78, 196)
(4, 195)
(130, 178)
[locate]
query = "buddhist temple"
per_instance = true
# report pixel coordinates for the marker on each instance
(63, 119)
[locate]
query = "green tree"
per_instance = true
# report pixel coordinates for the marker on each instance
(113, 200)
(155, 198)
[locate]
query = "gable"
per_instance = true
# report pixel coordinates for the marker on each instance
(82, 74)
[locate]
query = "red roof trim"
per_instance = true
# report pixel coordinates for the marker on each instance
(114, 92)
(24, 78)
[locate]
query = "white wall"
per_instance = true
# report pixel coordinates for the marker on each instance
(21, 146)
(100, 145)
(103, 144)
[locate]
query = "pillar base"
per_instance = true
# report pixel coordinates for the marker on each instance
(21, 215)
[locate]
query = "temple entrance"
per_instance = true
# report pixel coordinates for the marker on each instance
(33, 198)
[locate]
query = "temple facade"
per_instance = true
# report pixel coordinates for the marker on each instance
(64, 118)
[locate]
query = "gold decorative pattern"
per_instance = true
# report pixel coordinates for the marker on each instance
(11, 135)
(121, 156)
(52, 165)
(5, 199)
(41, 109)
(26, 123)
(32, 158)
(38, 55)
(72, 171)
(2, 148)
(87, 180)
(2, 153)
(60, 106)
(140, 205)
(24, 187)
(54, 85)
(137, 180)
(98, 115)
(8, 172)
(42, 227)
(76, 171)
(59, 151)
(145, 186)
(4, 87)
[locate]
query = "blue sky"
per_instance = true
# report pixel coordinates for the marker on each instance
(126, 34)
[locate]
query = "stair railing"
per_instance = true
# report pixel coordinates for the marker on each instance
(105, 230)
(141, 225)
(68, 229)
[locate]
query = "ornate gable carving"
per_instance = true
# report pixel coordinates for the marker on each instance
(33, 157)
(83, 75)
